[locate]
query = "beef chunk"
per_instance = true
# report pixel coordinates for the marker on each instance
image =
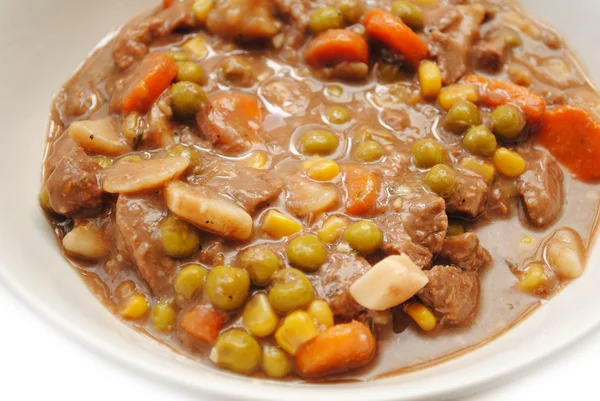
(454, 31)
(397, 244)
(453, 293)
(74, 184)
(243, 20)
(541, 187)
(138, 219)
(503, 195)
(342, 270)
(133, 41)
(489, 54)
(424, 219)
(465, 251)
(470, 197)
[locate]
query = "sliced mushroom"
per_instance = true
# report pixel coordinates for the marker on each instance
(86, 242)
(306, 197)
(208, 211)
(146, 175)
(99, 137)
(389, 283)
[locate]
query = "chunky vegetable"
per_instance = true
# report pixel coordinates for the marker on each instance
(509, 163)
(278, 225)
(332, 229)
(381, 25)
(146, 175)
(321, 313)
(363, 190)
(308, 197)
(296, 329)
(203, 323)
(565, 253)
(259, 317)
(336, 46)
(135, 307)
(237, 351)
(99, 137)
(479, 167)
(227, 287)
(430, 78)
(86, 241)
(322, 169)
(422, 315)
(534, 278)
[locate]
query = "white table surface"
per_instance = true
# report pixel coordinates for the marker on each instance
(37, 362)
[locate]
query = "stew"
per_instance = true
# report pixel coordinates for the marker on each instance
(311, 187)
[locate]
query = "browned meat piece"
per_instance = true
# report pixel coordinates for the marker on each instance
(342, 270)
(503, 196)
(489, 53)
(541, 187)
(243, 20)
(424, 219)
(74, 184)
(213, 252)
(454, 32)
(470, 197)
(465, 251)
(138, 219)
(397, 245)
(132, 43)
(453, 293)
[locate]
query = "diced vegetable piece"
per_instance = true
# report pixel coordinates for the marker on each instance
(278, 225)
(306, 197)
(86, 242)
(509, 163)
(275, 362)
(259, 317)
(296, 329)
(163, 317)
(422, 315)
(336, 46)
(99, 137)
(227, 287)
(190, 281)
(179, 239)
(382, 25)
(364, 237)
(534, 278)
(146, 175)
(479, 167)
(208, 211)
(565, 253)
(495, 93)
(291, 290)
(430, 79)
(197, 46)
(203, 322)
(332, 229)
(321, 313)
(201, 8)
(389, 283)
(451, 94)
(237, 351)
(323, 170)
(572, 135)
(261, 263)
(167, 3)
(336, 350)
(141, 89)
(134, 307)
(363, 191)
(306, 252)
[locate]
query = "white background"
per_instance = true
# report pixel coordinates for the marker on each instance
(37, 362)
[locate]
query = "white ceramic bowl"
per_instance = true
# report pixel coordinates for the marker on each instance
(41, 43)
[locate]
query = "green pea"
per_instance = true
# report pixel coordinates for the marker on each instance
(325, 18)
(410, 14)
(427, 153)
(507, 121)
(352, 10)
(364, 237)
(227, 287)
(454, 228)
(479, 140)
(291, 290)
(338, 115)
(306, 252)
(461, 116)
(179, 239)
(441, 179)
(185, 151)
(163, 316)
(390, 72)
(187, 98)
(319, 142)
(190, 281)
(237, 351)
(260, 262)
(192, 72)
(369, 151)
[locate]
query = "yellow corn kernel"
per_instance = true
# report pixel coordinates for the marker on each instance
(452, 93)
(134, 307)
(509, 163)
(258, 160)
(479, 167)
(196, 47)
(296, 329)
(321, 313)
(201, 8)
(422, 315)
(425, 2)
(332, 229)
(334, 91)
(259, 317)
(534, 278)
(278, 225)
(430, 79)
(323, 170)
(275, 362)
(190, 281)
(527, 239)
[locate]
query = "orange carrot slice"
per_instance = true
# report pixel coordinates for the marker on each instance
(336, 46)
(383, 26)
(203, 323)
(168, 3)
(572, 135)
(363, 190)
